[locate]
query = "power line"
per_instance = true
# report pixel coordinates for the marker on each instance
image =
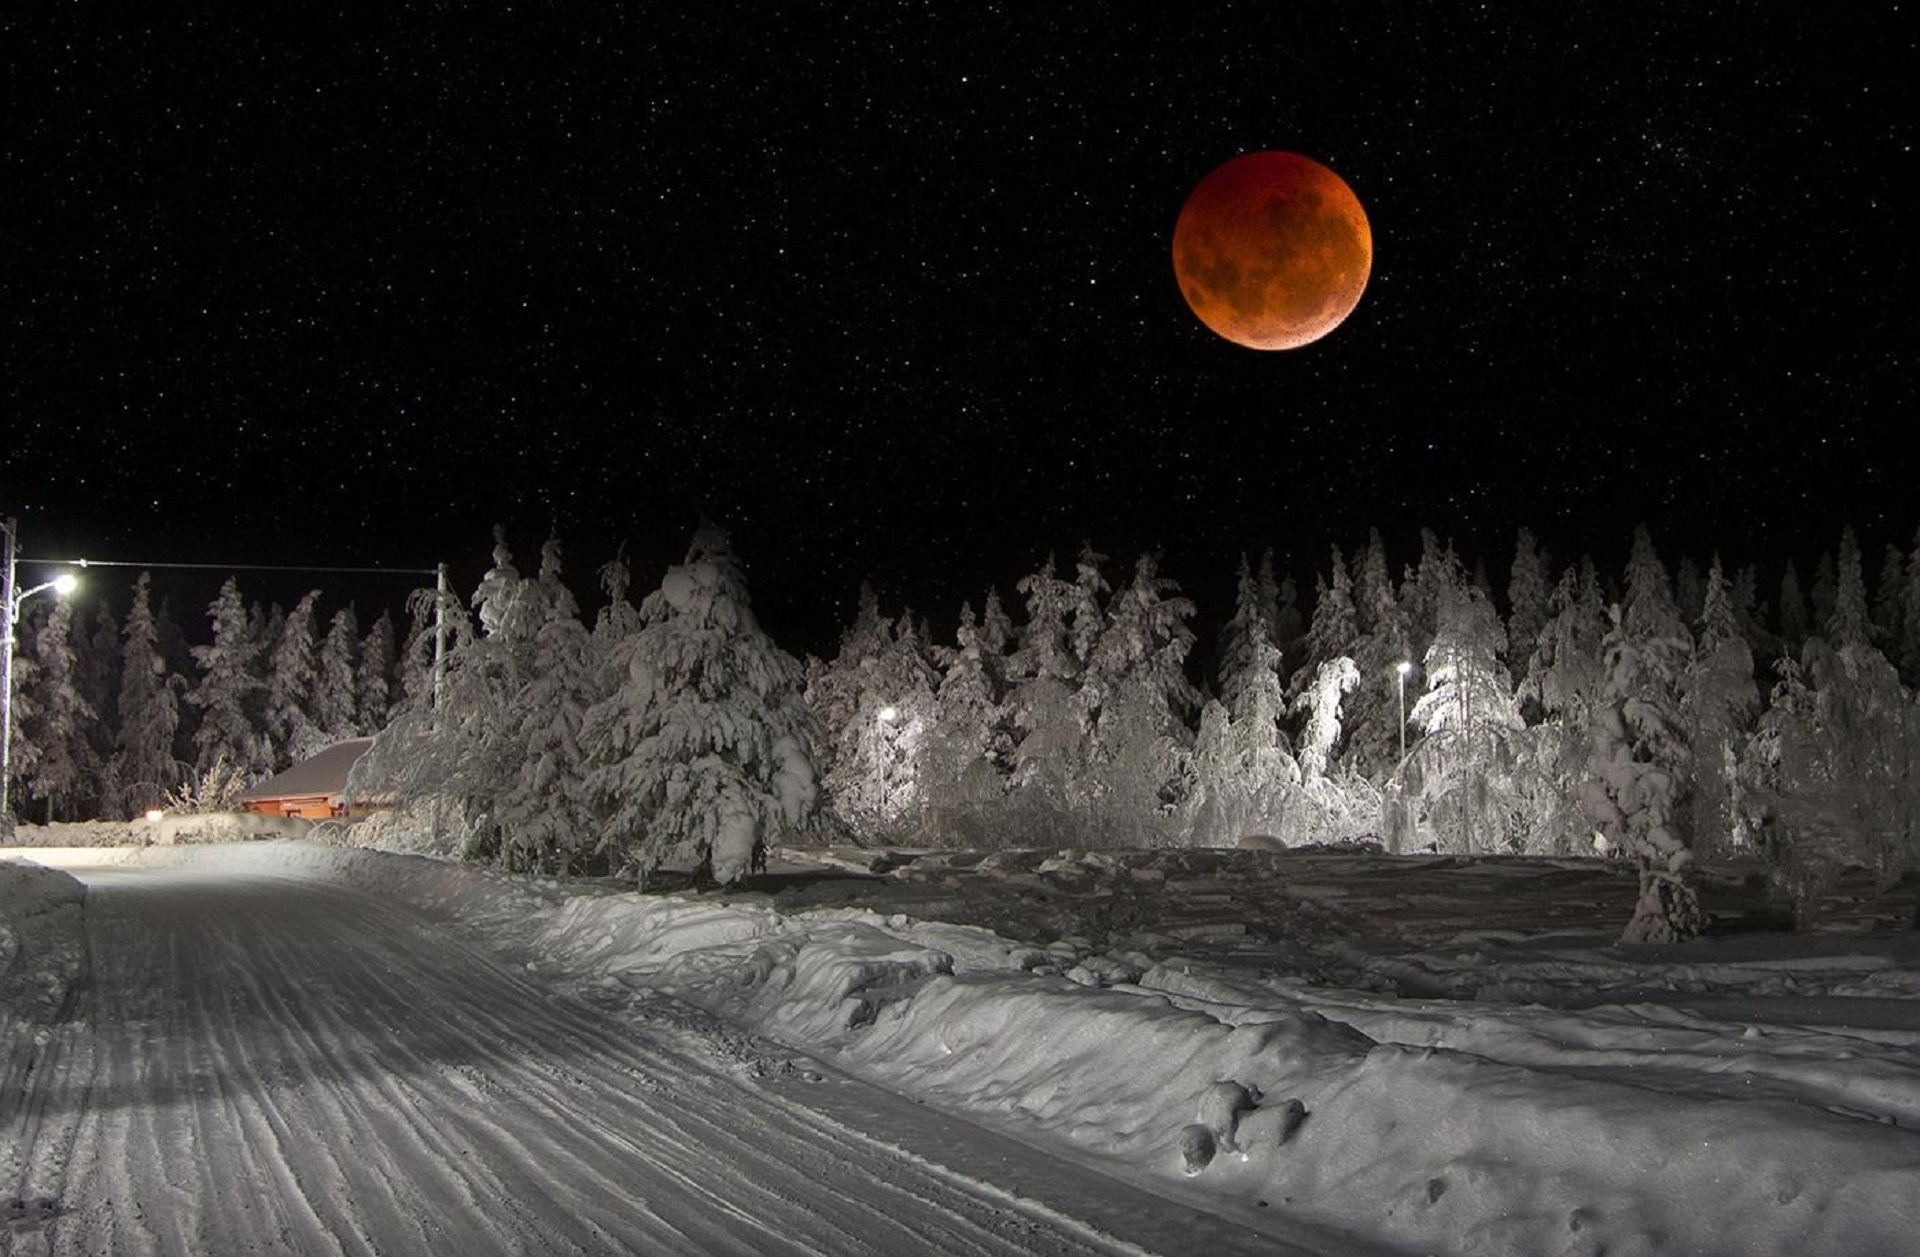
(234, 567)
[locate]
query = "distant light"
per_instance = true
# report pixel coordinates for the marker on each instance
(153, 815)
(889, 714)
(65, 583)
(1403, 667)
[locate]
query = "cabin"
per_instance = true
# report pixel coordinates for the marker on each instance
(313, 789)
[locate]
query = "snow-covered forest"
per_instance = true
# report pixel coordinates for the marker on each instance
(1659, 713)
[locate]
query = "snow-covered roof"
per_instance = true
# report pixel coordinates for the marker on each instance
(324, 773)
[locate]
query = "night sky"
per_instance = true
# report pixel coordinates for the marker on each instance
(888, 291)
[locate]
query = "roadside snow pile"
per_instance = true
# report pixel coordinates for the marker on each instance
(42, 942)
(172, 829)
(1466, 1127)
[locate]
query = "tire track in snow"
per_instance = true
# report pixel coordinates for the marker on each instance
(271, 1065)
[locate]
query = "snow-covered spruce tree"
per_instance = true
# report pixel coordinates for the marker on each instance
(1848, 622)
(1462, 774)
(1244, 778)
(1047, 791)
(546, 819)
(1719, 702)
(1138, 698)
(1750, 615)
(1639, 794)
(1372, 710)
(291, 672)
(1529, 590)
(834, 687)
(1563, 688)
(143, 769)
(1333, 632)
(1889, 595)
(1907, 653)
(1341, 803)
(1689, 590)
(702, 754)
(879, 695)
(457, 757)
(1795, 621)
(969, 748)
(96, 674)
(373, 676)
(420, 758)
(1832, 776)
(66, 772)
(229, 692)
(1088, 619)
(1425, 590)
(335, 701)
(1824, 593)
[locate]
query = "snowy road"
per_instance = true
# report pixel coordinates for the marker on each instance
(275, 1064)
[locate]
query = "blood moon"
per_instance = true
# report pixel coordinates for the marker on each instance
(1272, 250)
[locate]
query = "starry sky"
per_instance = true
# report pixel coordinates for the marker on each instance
(887, 288)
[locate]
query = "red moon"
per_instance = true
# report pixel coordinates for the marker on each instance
(1272, 250)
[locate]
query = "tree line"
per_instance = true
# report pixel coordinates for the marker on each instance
(1659, 714)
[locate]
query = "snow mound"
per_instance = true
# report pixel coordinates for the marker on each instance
(42, 943)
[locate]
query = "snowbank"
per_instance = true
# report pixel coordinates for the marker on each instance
(42, 945)
(170, 830)
(1450, 1126)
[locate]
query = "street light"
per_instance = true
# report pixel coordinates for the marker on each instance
(1400, 673)
(10, 599)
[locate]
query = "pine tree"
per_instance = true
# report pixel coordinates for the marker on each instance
(1640, 792)
(1825, 592)
(1462, 773)
(1909, 648)
(291, 673)
(1795, 621)
(970, 746)
(1889, 601)
(96, 675)
(1267, 598)
(65, 771)
(1138, 697)
(1335, 630)
(1372, 583)
(1848, 623)
(1372, 713)
(1244, 776)
(144, 768)
(335, 702)
(1425, 590)
(1689, 590)
(1719, 704)
(373, 679)
(882, 697)
(1528, 591)
(1089, 617)
(1560, 694)
(996, 638)
(1751, 616)
(545, 813)
(1050, 756)
(229, 692)
(702, 754)
(1249, 658)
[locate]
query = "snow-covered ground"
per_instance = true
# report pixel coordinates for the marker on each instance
(1437, 1055)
